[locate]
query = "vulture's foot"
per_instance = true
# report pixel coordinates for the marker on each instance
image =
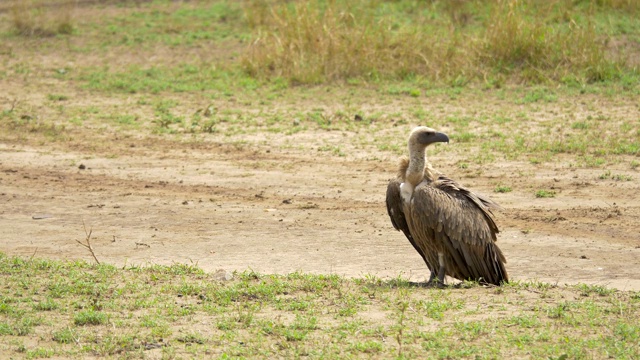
(441, 271)
(432, 277)
(435, 283)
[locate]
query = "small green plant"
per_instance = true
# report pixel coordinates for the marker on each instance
(124, 119)
(593, 161)
(164, 117)
(90, 317)
(617, 177)
(587, 290)
(192, 338)
(502, 189)
(545, 193)
(40, 352)
(538, 95)
(368, 346)
(336, 150)
(57, 97)
(580, 125)
(605, 175)
(622, 177)
(464, 137)
(46, 305)
(66, 336)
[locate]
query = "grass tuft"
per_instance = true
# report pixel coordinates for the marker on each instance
(90, 317)
(39, 19)
(545, 193)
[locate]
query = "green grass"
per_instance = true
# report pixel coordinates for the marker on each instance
(545, 193)
(154, 80)
(502, 189)
(617, 177)
(57, 97)
(480, 138)
(99, 310)
(521, 77)
(90, 317)
(162, 23)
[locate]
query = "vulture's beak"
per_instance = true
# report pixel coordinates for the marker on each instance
(440, 137)
(427, 138)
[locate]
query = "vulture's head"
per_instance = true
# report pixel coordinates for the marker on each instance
(423, 136)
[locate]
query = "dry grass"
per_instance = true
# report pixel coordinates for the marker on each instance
(41, 18)
(307, 42)
(314, 41)
(626, 5)
(516, 43)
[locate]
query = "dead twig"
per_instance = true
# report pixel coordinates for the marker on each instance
(88, 240)
(34, 254)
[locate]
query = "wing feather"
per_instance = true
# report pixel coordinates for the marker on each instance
(460, 224)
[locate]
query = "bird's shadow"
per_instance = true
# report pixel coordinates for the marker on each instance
(458, 285)
(402, 283)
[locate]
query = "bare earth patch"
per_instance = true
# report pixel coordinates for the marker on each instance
(278, 210)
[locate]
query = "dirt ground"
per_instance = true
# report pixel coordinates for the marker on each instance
(277, 203)
(279, 209)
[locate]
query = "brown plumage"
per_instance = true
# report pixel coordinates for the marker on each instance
(451, 227)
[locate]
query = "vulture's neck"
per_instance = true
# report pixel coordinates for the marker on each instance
(418, 167)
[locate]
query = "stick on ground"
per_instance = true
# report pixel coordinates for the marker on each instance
(88, 240)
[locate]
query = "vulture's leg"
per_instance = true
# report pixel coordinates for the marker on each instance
(432, 278)
(441, 270)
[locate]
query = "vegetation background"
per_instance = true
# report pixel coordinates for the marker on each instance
(164, 57)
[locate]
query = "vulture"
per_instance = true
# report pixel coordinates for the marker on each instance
(451, 227)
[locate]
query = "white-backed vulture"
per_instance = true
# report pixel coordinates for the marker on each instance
(451, 227)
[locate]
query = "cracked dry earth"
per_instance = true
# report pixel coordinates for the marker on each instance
(277, 210)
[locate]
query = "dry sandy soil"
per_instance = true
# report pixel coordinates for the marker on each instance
(276, 203)
(273, 208)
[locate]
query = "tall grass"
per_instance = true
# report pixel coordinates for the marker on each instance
(626, 5)
(313, 41)
(520, 41)
(41, 18)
